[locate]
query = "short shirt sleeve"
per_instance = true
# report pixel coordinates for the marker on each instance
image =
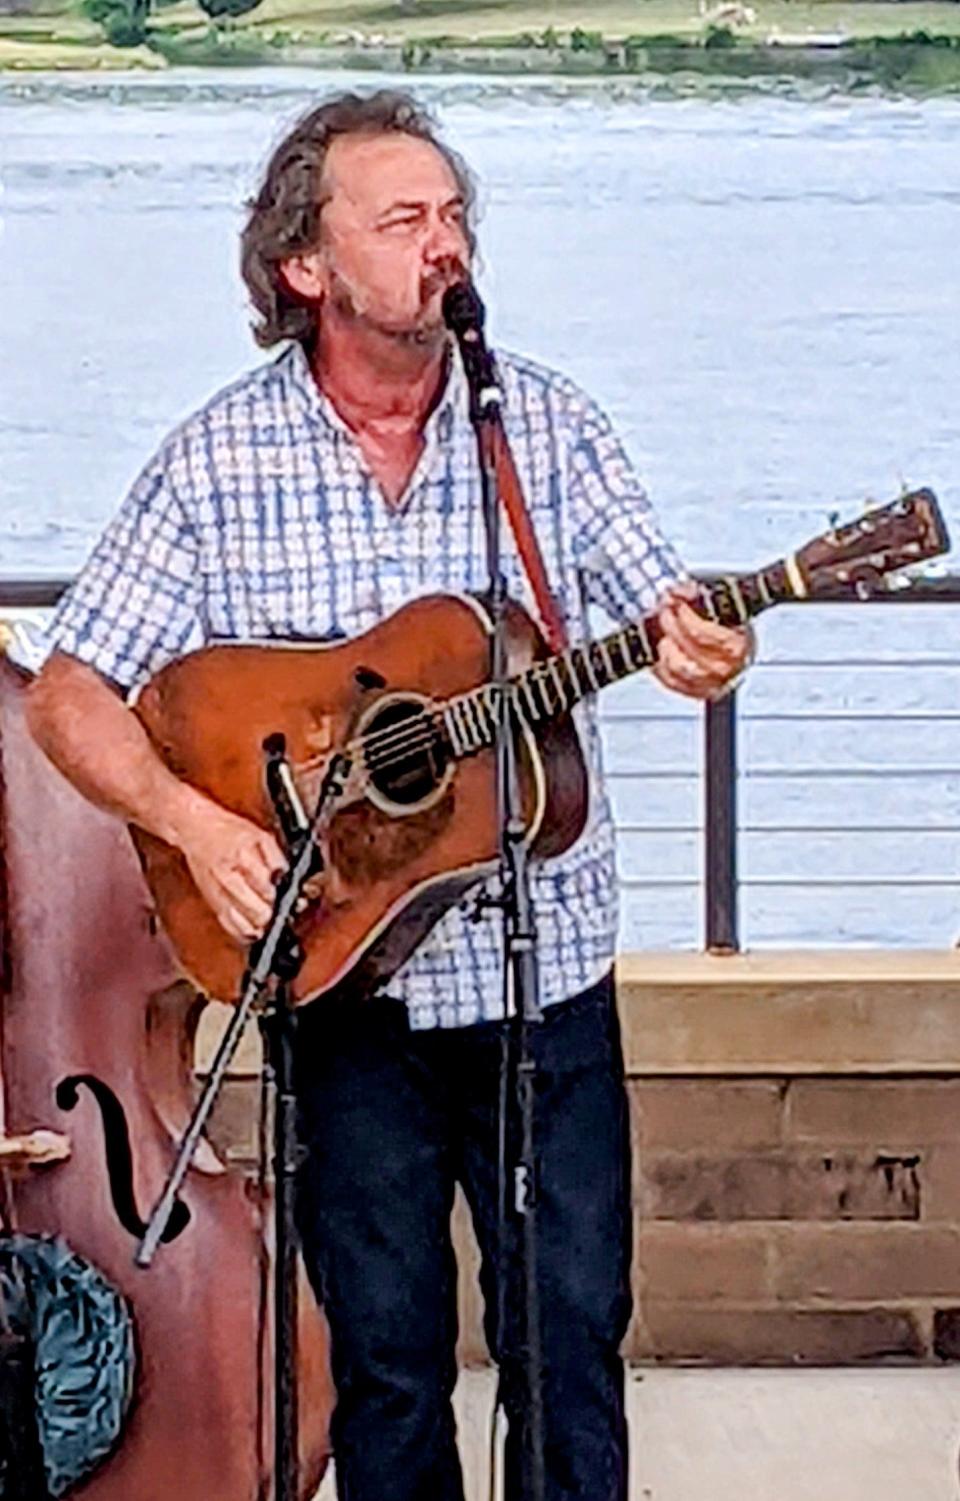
(135, 604)
(624, 560)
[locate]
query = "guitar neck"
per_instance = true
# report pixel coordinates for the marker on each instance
(554, 685)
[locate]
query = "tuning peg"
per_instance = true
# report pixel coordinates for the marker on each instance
(934, 568)
(866, 523)
(917, 573)
(901, 579)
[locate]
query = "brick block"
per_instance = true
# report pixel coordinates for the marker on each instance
(214, 1020)
(682, 1113)
(696, 1186)
(946, 1333)
(770, 1336)
(866, 1263)
(233, 1124)
(778, 1185)
(886, 1113)
(702, 1262)
(939, 1172)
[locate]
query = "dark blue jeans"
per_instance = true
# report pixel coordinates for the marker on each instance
(391, 1120)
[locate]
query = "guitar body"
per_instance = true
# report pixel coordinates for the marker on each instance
(404, 840)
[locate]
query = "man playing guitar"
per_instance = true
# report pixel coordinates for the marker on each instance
(309, 500)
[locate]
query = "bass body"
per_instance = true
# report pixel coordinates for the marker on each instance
(93, 1012)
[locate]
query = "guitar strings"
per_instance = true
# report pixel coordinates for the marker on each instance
(423, 727)
(397, 743)
(379, 749)
(413, 738)
(382, 749)
(425, 736)
(420, 730)
(416, 736)
(412, 730)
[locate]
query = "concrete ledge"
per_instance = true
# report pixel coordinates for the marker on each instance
(786, 1011)
(871, 1011)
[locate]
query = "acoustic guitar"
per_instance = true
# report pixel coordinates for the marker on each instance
(409, 707)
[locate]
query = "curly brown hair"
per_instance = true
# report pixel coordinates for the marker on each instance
(284, 217)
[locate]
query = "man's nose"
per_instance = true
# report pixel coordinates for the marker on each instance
(445, 240)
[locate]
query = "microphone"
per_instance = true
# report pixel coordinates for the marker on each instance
(464, 315)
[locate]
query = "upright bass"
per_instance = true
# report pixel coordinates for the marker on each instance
(96, 1037)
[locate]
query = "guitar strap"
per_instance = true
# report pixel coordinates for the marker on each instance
(511, 497)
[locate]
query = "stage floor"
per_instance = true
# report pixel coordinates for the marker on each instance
(767, 1435)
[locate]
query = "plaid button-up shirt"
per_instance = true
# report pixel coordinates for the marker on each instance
(259, 519)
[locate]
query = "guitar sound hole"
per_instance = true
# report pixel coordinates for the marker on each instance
(404, 755)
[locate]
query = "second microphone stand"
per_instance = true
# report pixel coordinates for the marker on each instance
(275, 961)
(464, 315)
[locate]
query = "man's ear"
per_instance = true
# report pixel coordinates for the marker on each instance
(305, 275)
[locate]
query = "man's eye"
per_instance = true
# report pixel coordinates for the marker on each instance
(407, 222)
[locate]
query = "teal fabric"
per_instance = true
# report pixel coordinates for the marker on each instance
(82, 1332)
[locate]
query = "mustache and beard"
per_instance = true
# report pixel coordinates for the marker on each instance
(426, 329)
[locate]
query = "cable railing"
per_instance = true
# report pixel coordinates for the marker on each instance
(728, 792)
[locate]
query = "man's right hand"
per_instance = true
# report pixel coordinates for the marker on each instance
(90, 734)
(234, 864)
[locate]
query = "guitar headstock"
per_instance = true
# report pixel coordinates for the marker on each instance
(858, 557)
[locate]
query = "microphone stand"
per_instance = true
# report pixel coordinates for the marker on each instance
(463, 313)
(275, 961)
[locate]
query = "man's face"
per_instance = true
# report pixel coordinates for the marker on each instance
(394, 234)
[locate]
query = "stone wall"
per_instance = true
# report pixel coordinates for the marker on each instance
(797, 1162)
(796, 1121)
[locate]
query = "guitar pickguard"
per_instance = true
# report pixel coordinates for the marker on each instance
(417, 823)
(365, 845)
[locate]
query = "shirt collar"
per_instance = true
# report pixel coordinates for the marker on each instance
(319, 409)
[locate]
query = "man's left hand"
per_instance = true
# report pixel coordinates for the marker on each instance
(696, 656)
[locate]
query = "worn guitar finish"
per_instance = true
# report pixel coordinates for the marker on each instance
(409, 705)
(401, 845)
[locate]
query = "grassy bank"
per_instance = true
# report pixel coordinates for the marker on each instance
(912, 44)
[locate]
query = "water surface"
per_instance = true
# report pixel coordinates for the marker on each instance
(763, 292)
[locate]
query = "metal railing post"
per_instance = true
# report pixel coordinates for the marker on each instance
(721, 925)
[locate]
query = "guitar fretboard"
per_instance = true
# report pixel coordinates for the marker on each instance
(554, 685)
